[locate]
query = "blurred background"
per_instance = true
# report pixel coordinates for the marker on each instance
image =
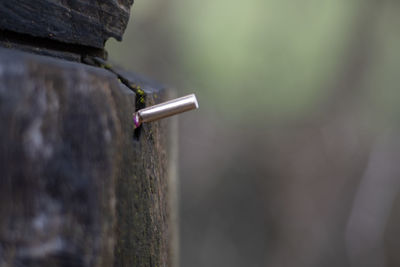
(292, 158)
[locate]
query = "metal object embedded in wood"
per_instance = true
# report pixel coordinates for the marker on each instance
(166, 109)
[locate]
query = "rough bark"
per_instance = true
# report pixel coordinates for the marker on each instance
(78, 186)
(88, 23)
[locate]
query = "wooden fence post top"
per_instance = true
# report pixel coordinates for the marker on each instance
(79, 184)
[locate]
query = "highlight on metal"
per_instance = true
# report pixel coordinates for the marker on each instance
(166, 109)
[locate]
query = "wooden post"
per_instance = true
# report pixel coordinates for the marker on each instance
(79, 186)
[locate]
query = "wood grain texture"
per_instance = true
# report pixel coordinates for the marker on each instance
(76, 187)
(145, 232)
(89, 22)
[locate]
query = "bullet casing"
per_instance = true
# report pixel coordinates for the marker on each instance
(167, 109)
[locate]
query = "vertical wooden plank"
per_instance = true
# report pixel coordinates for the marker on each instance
(78, 187)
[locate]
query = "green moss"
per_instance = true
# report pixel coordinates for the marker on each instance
(139, 91)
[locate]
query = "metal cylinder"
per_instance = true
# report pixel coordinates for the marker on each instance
(166, 109)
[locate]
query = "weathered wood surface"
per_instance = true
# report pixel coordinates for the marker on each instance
(77, 188)
(47, 47)
(89, 22)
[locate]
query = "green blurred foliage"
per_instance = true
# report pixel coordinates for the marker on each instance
(382, 82)
(272, 59)
(263, 57)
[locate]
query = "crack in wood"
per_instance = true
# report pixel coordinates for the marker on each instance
(48, 47)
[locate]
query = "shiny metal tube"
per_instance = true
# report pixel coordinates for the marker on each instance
(166, 109)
